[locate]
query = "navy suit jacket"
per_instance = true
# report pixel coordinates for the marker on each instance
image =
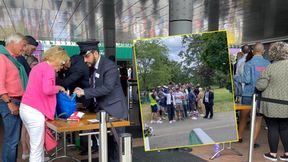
(108, 91)
(211, 99)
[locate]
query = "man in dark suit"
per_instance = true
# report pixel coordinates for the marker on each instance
(105, 88)
(208, 101)
(75, 73)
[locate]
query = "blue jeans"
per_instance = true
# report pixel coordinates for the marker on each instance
(247, 100)
(11, 132)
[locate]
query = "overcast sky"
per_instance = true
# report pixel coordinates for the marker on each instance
(174, 44)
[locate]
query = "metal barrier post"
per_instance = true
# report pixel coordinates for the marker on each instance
(89, 148)
(103, 152)
(56, 149)
(125, 147)
(253, 117)
(128, 95)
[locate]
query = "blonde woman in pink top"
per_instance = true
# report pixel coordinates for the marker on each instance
(39, 99)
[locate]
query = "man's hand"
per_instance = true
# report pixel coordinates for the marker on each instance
(79, 91)
(13, 108)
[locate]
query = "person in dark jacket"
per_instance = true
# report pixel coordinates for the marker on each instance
(208, 101)
(192, 99)
(31, 45)
(29, 49)
(106, 88)
(74, 74)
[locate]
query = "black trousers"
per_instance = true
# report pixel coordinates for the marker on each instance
(277, 127)
(209, 110)
(113, 148)
(170, 109)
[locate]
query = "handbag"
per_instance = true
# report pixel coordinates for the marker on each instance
(49, 142)
(66, 105)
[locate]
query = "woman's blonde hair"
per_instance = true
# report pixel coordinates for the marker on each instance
(278, 51)
(56, 54)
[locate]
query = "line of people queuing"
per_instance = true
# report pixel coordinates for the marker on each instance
(180, 102)
(28, 102)
(255, 74)
(18, 95)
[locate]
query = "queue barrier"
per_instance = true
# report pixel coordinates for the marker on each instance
(257, 97)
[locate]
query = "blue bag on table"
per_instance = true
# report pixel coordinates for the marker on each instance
(66, 105)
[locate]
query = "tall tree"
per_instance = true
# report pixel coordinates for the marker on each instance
(152, 58)
(179, 74)
(207, 57)
(215, 51)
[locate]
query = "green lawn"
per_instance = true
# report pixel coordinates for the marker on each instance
(145, 112)
(223, 101)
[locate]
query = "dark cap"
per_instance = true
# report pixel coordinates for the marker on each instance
(88, 46)
(31, 40)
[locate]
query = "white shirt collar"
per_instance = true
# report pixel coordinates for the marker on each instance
(97, 63)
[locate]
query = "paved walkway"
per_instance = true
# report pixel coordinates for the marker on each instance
(221, 128)
(206, 152)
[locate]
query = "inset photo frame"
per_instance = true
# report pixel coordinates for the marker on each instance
(185, 90)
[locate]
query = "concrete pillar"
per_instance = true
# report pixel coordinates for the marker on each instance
(180, 17)
(109, 29)
(213, 15)
(91, 23)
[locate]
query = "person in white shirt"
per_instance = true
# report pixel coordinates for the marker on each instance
(179, 96)
(170, 102)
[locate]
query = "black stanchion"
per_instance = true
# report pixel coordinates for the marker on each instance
(253, 117)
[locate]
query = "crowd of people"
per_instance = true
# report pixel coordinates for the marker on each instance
(28, 92)
(177, 102)
(255, 74)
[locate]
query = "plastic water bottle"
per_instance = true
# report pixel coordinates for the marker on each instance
(216, 149)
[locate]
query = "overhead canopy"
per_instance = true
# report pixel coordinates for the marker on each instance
(122, 53)
(71, 20)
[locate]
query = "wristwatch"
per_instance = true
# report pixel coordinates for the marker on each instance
(9, 101)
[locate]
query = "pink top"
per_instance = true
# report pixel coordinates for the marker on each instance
(41, 89)
(10, 81)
